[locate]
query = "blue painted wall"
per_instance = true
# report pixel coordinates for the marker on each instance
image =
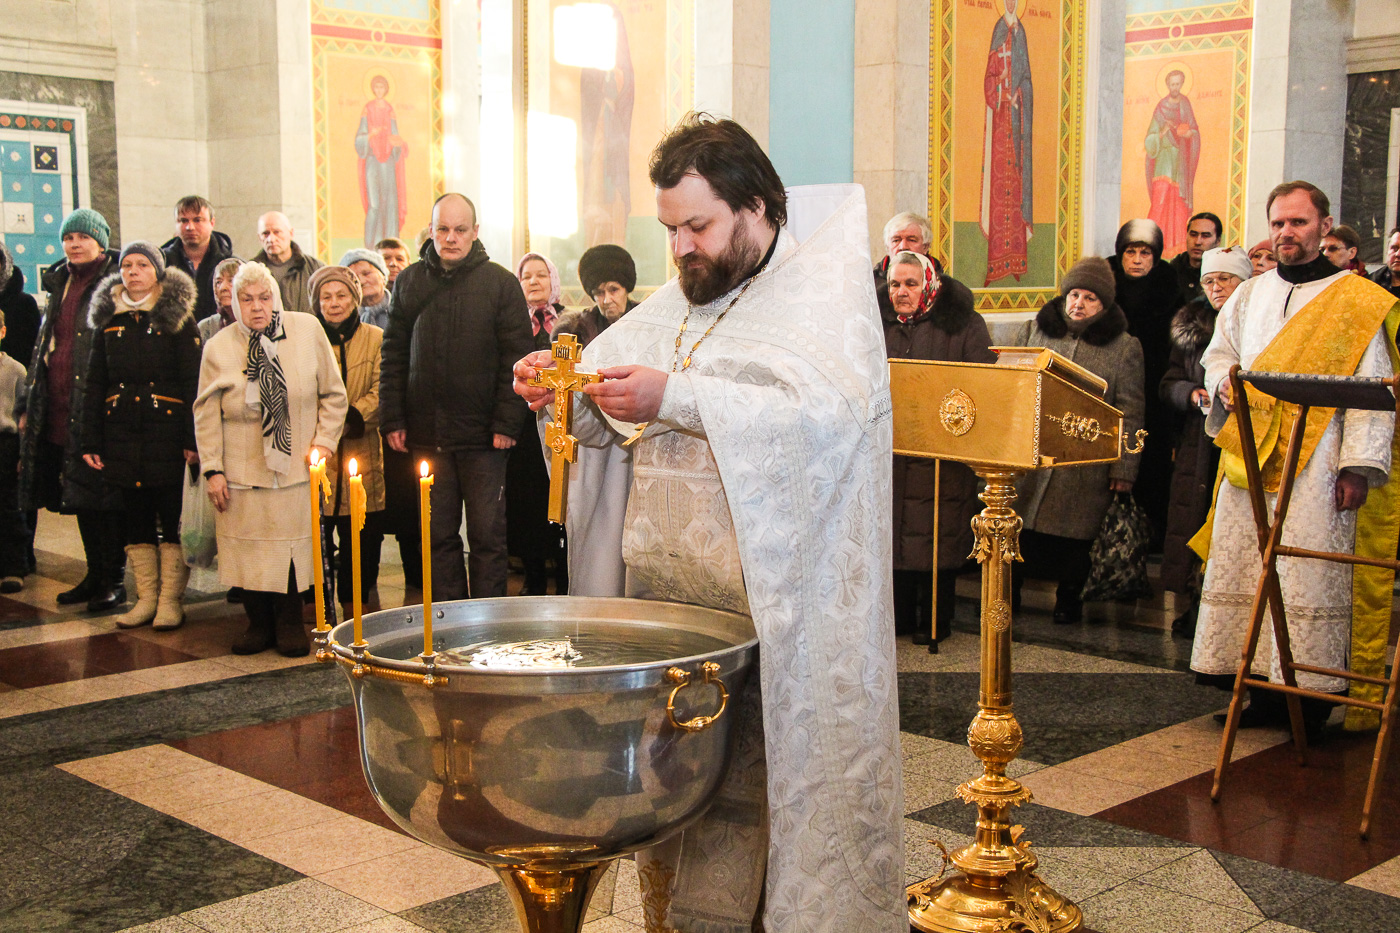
(811, 90)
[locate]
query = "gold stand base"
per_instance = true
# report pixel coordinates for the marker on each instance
(1017, 901)
(552, 899)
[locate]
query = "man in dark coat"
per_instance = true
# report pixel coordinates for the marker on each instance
(1388, 275)
(52, 472)
(931, 317)
(1149, 294)
(1203, 232)
(197, 249)
(291, 267)
(457, 324)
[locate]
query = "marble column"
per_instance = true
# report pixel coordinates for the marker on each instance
(1298, 102)
(1103, 125)
(891, 109)
(731, 61)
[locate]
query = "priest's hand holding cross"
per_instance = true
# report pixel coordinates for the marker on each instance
(628, 393)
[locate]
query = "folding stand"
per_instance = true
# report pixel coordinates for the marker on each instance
(1341, 392)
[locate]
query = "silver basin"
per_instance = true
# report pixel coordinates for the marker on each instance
(538, 773)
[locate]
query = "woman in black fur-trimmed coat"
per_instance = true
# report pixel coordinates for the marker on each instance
(1062, 509)
(137, 418)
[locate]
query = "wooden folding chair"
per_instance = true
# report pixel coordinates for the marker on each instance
(1347, 392)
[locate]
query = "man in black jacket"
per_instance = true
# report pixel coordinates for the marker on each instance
(457, 324)
(197, 249)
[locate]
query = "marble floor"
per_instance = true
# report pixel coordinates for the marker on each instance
(155, 782)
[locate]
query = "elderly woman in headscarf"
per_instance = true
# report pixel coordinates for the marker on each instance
(223, 298)
(608, 275)
(335, 300)
(269, 393)
(1262, 257)
(1063, 509)
(931, 318)
(1197, 457)
(529, 535)
(136, 423)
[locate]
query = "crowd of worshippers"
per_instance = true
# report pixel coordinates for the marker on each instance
(153, 368)
(156, 369)
(1139, 320)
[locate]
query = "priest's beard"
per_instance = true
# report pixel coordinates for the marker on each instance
(704, 278)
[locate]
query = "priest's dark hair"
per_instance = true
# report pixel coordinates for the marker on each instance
(1319, 200)
(724, 154)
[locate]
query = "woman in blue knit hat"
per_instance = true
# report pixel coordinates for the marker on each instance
(52, 472)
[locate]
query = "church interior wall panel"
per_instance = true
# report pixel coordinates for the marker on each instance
(1367, 196)
(43, 168)
(989, 167)
(812, 90)
(97, 101)
(601, 91)
(376, 68)
(1199, 132)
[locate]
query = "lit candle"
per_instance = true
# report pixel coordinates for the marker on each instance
(357, 521)
(425, 482)
(318, 477)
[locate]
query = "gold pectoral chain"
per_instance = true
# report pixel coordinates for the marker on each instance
(679, 365)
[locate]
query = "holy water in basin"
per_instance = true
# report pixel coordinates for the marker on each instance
(545, 774)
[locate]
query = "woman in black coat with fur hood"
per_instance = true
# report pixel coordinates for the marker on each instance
(137, 420)
(931, 317)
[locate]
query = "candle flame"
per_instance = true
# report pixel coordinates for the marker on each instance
(423, 469)
(354, 467)
(315, 456)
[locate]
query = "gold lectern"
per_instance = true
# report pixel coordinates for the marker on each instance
(1031, 410)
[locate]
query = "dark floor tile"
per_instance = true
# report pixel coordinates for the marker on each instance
(55, 736)
(28, 869)
(1192, 817)
(1272, 889)
(1345, 909)
(14, 611)
(1338, 854)
(1045, 826)
(79, 658)
(1062, 715)
(485, 910)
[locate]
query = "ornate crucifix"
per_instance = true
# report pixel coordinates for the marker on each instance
(565, 380)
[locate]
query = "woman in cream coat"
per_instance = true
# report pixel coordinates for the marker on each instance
(269, 391)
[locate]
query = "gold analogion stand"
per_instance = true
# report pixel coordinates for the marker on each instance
(1037, 410)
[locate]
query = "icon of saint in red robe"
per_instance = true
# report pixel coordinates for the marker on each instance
(1006, 149)
(382, 152)
(1173, 146)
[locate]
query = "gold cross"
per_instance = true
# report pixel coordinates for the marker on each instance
(565, 380)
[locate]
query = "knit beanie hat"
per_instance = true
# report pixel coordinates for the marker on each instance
(333, 274)
(1229, 259)
(370, 256)
(145, 248)
(1142, 231)
(86, 220)
(1092, 274)
(607, 263)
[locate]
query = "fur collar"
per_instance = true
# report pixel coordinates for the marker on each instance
(1193, 326)
(1104, 330)
(173, 307)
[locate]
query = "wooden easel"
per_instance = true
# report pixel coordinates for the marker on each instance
(1347, 392)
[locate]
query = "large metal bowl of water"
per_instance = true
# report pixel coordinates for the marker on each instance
(546, 774)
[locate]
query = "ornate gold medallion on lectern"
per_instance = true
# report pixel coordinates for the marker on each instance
(565, 380)
(1031, 410)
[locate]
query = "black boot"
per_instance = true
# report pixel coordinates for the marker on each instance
(1184, 625)
(78, 594)
(291, 630)
(258, 638)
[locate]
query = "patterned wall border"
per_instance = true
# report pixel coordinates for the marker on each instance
(1069, 176)
(388, 27)
(1184, 18)
(1220, 34)
(321, 46)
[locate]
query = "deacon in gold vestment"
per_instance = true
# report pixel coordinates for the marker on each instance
(1305, 316)
(761, 483)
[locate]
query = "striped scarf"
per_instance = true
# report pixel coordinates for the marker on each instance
(267, 390)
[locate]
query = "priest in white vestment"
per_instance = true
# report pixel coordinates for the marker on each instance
(761, 484)
(1303, 316)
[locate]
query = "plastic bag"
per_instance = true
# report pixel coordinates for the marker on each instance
(1118, 557)
(197, 535)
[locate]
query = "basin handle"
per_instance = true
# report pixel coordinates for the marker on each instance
(682, 680)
